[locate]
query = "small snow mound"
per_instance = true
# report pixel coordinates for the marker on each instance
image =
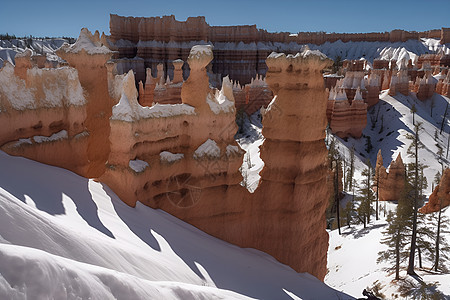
(169, 157)
(54, 137)
(199, 50)
(232, 150)
(208, 149)
(138, 165)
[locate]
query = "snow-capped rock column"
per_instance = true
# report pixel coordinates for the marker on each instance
(196, 87)
(293, 195)
(89, 56)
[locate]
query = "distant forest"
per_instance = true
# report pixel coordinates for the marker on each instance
(9, 37)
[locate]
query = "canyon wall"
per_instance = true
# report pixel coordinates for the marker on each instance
(183, 158)
(43, 116)
(239, 51)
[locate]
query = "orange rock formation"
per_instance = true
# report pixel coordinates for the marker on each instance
(181, 157)
(440, 197)
(239, 51)
(391, 184)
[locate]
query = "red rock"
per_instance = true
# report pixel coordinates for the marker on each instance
(391, 184)
(440, 198)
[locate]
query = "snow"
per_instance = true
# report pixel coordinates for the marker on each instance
(138, 165)
(89, 43)
(220, 103)
(63, 236)
(250, 141)
(129, 110)
(232, 150)
(170, 157)
(208, 149)
(61, 87)
(54, 137)
(199, 50)
(15, 89)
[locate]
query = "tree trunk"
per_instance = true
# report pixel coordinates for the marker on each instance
(397, 255)
(336, 196)
(378, 179)
(419, 252)
(443, 119)
(410, 270)
(436, 261)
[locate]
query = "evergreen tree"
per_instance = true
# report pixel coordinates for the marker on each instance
(395, 237)
(366, 198)
(413, 151)
(351, 169)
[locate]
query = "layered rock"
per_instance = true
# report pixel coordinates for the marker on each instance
(399, 83)
(89, 56)
(252, 96)
(294, 153)
(239, 51)
(425, 87)
(43, 116)
(346, 118)
(183, 159)
(391, 184)
(443, 86)
(440, 198)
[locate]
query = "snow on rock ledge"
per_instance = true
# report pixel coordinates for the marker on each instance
(128, 109)
(88, 42)
(169, 157)
(138, 165)
(208, 149)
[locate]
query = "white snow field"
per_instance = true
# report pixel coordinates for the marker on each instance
(352, 256)
(66, 237)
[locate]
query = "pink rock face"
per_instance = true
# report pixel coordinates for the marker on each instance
(89, 56)
(390, 184)
(42, 116)
(188, 163)
(440, 198)
(237, 49)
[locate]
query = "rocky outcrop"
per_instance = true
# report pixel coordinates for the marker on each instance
(346, 118)
(183, 159)
(443, 85)
(425, 87)
(399, 83)
(43, 116)
(239, 51)
(89, 56)
(391, 184)
(294, 153)
(440, 198)
(252, 96)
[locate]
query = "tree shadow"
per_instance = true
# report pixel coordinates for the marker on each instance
(47, 189)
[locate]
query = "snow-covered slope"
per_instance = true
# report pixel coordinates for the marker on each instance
(63, 236)
(352, 262)
(9, 48)
(352, 257)
(391, 119)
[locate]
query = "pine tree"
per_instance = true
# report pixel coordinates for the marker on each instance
(366, 198)
(413, 151)
(351, 169)
(395, 237)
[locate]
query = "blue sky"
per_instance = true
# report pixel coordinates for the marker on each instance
(58, 18)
